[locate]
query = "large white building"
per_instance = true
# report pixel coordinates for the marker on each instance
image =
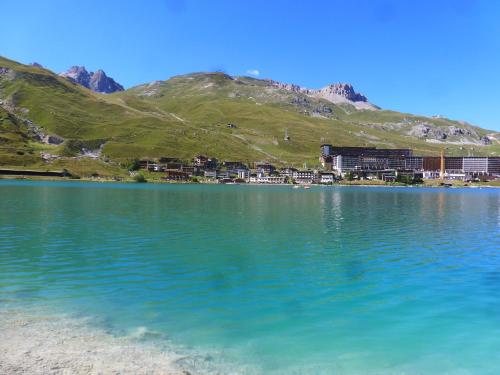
(475, 165)
(456, 167)
(263, 179)
(304, 177)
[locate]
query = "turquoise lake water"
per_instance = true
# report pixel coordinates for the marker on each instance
(267, 279)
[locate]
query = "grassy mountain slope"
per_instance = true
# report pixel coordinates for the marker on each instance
(261, 113)
(189, 114)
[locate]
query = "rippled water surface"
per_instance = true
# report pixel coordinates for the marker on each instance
(334, 280)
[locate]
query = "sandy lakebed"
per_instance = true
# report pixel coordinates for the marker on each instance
(33, 343)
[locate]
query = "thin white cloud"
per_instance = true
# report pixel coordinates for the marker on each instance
(253, 72)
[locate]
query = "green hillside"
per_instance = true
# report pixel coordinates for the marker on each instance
(187, 115)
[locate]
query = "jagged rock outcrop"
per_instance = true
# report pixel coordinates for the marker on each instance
(38, 134)
(36, 65)
(344, 90)
(100, 82)
(426, 130)
(420, 130)
(485, 140)
(78, 74)
(452, 133)
(53, 139)
(336, 93)
(304, 102)
(97, 82)
(7, 74)
(288, 87)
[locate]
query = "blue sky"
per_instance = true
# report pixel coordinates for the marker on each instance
(423, 57)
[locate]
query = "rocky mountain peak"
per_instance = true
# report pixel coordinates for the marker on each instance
(335, 93)
(100, 82)
(77, 74)
(96, 81)
(345, 90)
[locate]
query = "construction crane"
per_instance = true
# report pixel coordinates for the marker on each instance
(442, 169)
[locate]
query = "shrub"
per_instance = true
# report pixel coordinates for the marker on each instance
(140, 178)
(407, 179)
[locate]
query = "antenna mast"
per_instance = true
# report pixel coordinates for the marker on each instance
(287, 137)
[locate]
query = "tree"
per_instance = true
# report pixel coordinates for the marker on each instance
(407, 179)
(349, 176)
(132, 165)
(140, 178)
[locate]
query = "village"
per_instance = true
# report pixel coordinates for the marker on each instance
(337, 163)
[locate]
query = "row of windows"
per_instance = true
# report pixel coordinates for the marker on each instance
(466, 164)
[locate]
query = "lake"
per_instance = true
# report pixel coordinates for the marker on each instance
(266, 279)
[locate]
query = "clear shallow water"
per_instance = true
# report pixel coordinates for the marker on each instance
(342, 280)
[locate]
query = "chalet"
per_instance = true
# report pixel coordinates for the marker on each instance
(166, 160)
(173, 165)
(189, 169)
(205, 162)
(200, 160)
(144, 164)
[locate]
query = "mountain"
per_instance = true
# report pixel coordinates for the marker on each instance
(338, 102)
(97, 82)
(47, 121)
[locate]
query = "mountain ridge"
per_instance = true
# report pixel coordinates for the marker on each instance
(334, 92)
(49, 121)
